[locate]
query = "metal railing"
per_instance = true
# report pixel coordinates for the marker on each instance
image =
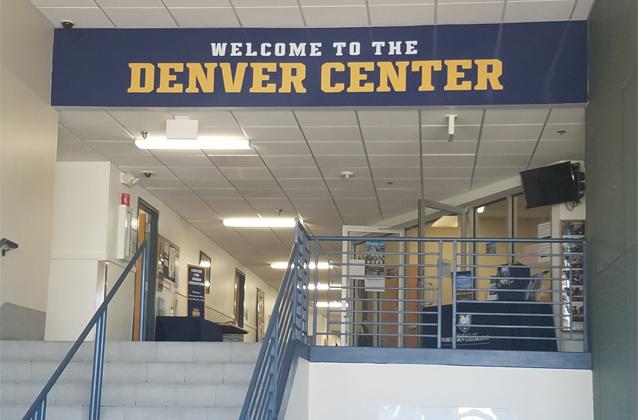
(492, 293)
(507, 294)
(288, 323)
(37, 410)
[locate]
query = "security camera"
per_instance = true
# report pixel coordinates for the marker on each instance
(67, 24)
(148, 174)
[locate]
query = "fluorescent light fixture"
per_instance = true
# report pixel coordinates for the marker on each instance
(206, 143)
(333, 304)
(260, 222)
(480, 210)
(446, 222)
(282, 265)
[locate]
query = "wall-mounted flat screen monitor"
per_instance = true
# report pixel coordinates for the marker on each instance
(551, 184)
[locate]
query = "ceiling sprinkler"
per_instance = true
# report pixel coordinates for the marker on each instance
(346, 175)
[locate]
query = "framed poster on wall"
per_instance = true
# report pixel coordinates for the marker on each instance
(260, 310)
(205, 262)
(572, 276)
(167, 259)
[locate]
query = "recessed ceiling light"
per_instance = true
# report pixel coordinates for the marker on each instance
(206, 143)
(260, 222)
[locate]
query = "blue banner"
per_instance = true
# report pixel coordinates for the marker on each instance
(500, 64)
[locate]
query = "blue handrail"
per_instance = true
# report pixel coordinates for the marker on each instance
(37, 411)
(287, 326)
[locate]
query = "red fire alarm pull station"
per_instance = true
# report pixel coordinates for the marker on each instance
(125, 198)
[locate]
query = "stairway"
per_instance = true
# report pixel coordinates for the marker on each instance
(158, 381)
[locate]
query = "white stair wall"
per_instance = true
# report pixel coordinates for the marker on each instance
(159, 381)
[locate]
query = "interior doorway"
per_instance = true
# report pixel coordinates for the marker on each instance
(375, 318)
(147, 229)
(240, 293)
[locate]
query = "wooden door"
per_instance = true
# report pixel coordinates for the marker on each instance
(137, 308)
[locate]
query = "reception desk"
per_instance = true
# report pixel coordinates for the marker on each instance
(526, 326)
(183, 328)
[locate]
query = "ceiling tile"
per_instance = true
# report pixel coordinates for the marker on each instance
(508, 116)
(273, 134)
(389, 133)
(204, 171)
(391, 147)
(246, 173)
(210, 193)
(343, 162)
(564, 132)
(561, 147)
(395, 161)
(262, 17)
(158, 171)
(326, 118)
(537, 11)
(313, 183)
(567, 116)
(541, 159)
(76, 151)
(205, 182)
(83, 17)
(448, 161)
(197, 3)
(281, 148)
(190, 161)
(389, 117)
(326, 148)
(408, 173)
(332, 133)
(449, 147)
(440, 133)
(265, 118)
(143, 161)
(130, 3)
(292, 173)
(205, 17)
(323, 3)
(137, 121)
(460, 13)
(63, 3)
(360, 172)
(288, 161)
(337, 16)
(523, 147)
(264, 3)
(93, 125)
(403, 14)
(117, 148)
(511, 132)
(147, 17)
(238, 161)
(497, 172)
(156, 182)
(464, 116)
(447, 173)
(494, 161)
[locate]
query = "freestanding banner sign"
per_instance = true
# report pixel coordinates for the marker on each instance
(492, 64)
(196, 291)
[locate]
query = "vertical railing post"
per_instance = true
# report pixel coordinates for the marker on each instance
(316, 294)
(143, 291)
(98, 368)
(274, 369)
(439, 304)
(454, 250)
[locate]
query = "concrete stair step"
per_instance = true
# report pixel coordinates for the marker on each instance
(128, 395)
(126, 413)
(169, 352)
(131, 372)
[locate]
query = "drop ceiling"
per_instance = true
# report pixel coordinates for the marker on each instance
(397, 156)
(304, 13)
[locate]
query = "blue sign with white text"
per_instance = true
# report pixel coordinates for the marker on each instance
(493, 64)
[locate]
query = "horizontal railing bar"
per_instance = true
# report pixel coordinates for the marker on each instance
(430, 324)
(444, 240)
(367, 311)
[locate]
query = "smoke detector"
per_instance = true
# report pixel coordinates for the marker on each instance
(346, 175)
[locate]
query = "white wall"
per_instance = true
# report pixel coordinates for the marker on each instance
(28, 138)
(356, 391)
(87, 197)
